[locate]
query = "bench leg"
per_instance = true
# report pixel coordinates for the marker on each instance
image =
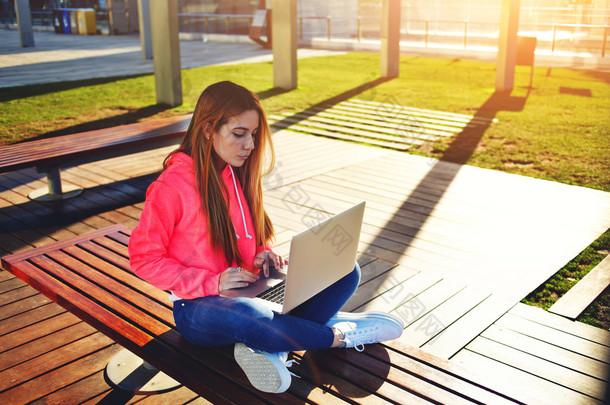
(54, 190)
(130, 373)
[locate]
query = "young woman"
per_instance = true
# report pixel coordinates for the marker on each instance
(204, 230)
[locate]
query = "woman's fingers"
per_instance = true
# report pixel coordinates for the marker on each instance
(236, 277)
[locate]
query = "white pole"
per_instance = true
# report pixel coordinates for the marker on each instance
(390, 38)
(166, 51)
(507, 45)
(24, 22)
(284, 43)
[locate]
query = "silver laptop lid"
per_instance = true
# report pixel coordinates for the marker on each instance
(321, 255)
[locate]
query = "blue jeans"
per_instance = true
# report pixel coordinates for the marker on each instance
(220, 321)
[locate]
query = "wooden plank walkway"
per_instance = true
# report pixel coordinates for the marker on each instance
(449, 248)
(581, 295)
(553, 359)
(381, 124)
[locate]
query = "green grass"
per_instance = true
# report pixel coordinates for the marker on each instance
(558, 130)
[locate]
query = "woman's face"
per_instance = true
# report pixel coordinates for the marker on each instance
(234, 141)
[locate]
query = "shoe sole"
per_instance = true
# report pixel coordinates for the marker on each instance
(265, 373)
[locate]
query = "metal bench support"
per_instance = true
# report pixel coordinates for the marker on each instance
(130, 373)
(54, 190)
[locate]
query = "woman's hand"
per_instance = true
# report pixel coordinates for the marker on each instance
(235, 277)
(266, 258)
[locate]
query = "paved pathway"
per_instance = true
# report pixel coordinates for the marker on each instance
(59, 57)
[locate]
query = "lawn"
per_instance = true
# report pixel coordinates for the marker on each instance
(557, 130)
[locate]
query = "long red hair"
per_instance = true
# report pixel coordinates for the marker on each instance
(216, 105)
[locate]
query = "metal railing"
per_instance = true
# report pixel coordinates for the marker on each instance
(593, 37)
(188, 20)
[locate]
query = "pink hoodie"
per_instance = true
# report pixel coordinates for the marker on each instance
(170, 246)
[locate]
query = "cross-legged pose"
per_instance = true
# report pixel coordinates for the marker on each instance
(204, 231)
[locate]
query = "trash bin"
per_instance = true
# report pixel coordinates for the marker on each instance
(73, 21)
(57, 20)
(65, 20)
(86, 21)
(526, 46)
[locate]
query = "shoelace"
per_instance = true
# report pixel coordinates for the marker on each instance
(283, 356)
(360, 338)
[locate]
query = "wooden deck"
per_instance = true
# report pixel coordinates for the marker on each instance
(450, 249)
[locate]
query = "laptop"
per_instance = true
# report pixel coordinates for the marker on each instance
(319, 256)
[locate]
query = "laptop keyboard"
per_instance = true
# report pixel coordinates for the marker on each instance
(275, 293)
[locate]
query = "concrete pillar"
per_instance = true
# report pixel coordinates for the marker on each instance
(166, 51)
(24, 22)
(507, 45)
(284, 33)
(144, 22)
(390, 38)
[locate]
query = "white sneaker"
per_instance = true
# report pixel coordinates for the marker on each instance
(362, 328)
(266, 372)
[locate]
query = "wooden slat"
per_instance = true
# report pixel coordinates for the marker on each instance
(382, 379)
(52, 342)
(105, 263)
(524, 387)
(23, 306)
(422, 304)
(338, 135)
(378, 117)
(335, 123)
(9, 283)
(19, 257)
(540, 367)
(31, 317)
(37, 330)
(96, 277)
(377, 286)
(580, 296)
(540, 316)
(53, 380)
(432, 324)
(541, 349)
(41, 364)
(398, 109)
(397, 295)
(554, 336)
(432, 369)
(16, 295)
(462, 331)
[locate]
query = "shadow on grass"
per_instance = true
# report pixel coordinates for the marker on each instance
(129, 117)
(465, 143)
(19, 92)
(272, 92)
(599, 75)
(302, 115)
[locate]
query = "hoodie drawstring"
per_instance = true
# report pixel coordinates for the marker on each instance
(243, 217)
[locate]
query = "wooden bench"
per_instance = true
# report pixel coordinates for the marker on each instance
(89, 275)
(581, 295)
(49, 155)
